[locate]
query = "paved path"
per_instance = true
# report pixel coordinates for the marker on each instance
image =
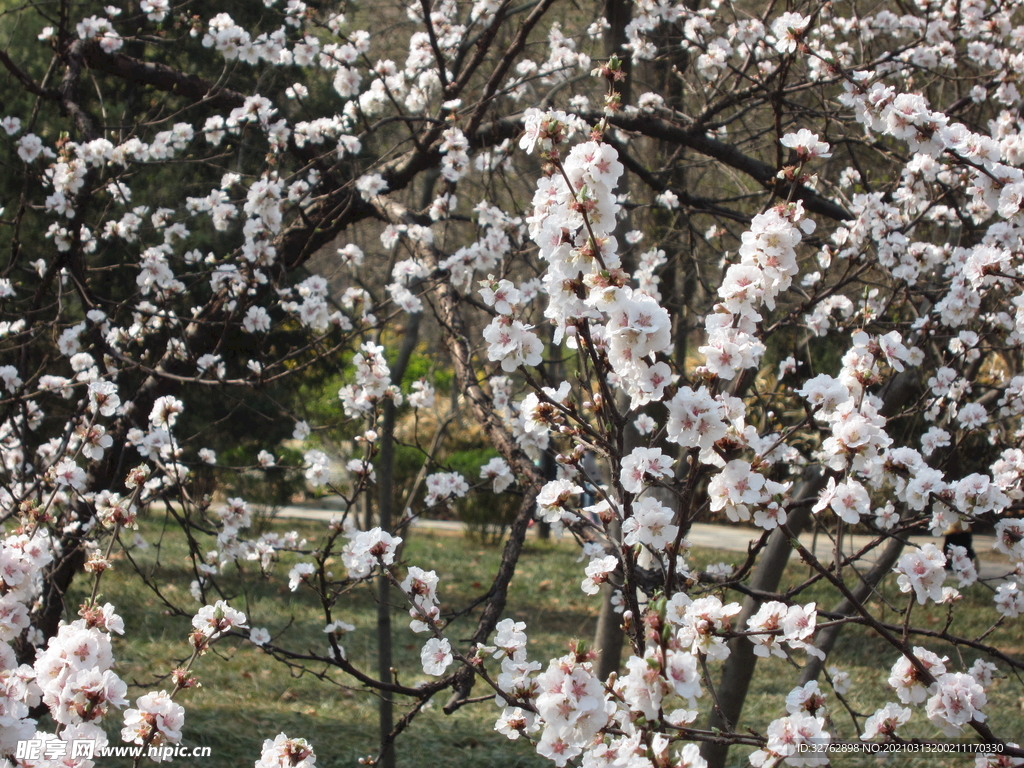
(725, 537)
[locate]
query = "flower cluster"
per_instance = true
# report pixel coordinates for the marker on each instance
(366, 549)
(283, 752)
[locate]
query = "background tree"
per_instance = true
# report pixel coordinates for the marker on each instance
(767, 274)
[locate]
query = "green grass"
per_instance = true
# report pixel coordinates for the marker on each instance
(247, 696)
(868, 658)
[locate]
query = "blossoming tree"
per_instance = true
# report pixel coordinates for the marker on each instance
(768, 274)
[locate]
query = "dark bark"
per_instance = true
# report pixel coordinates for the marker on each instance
(739, 668)
(608, 636)
(385, 511)
(825, 640)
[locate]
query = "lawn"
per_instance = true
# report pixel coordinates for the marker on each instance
(246, 696)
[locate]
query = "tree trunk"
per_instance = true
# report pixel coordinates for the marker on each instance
(385, 513)
(618, 14)
(549, 470)
(739, 667)
(608, 637)
(826, 639)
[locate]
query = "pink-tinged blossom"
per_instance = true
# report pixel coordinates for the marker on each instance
(69, 474)
(735, 489)
(10, 378)
(642, 466)
(557, 748)
(30, 147)
(510, 640)
(256, 320)
(923, 572)
(155, 10)
(956, 700)
(540, 410)
(788, 738)
(807, 699)
(299, 573)
(994, 760)
(86, 696)
(638, 327)
(798, 628)
(1009, 599)
(235, 515)
(682, 670)
(95, 441)
(972, 416)
(571, 700)
(984, 672)
(922, 486)
(772, 514)
(742, 287)
(420, 587)
(502, 295)
(1010, 538)
(858, 436)
(650, 525)
(976, 494)
(544, 129)
(885, 721)
(594, 164)
(422, 396)
(667, 199)
(689, 756)
(259, 636)
(553, 498)
(370, 186)
(768, 620)
(850, 501)
(498, 472)
(366, 549)
(806, 145)
(104, 618)
(351, 254)
(702, 623)
(840, 680)
(963, 566)
(158, 720)
(788, 30)
(644, 687)
(645, 424)
(285, 752)
(824, 393)
(436, 656)
(695, 419)
(513, 721)
(74, 648)
(103, 397)
(934, 438)
(598, 570)
(218, 619)
(512, 343)
(904, 676)
(318, 470)
(891, 346)
(165, 412)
